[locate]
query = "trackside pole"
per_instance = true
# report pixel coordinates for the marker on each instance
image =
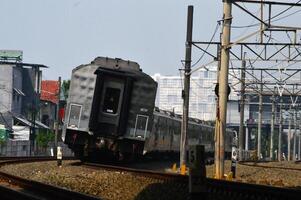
(242, 108)
(223, 92)
(185, 92)
(272, 129)
(280, 132)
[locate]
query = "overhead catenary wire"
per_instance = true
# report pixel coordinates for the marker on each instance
(208, 45)
(273, 17)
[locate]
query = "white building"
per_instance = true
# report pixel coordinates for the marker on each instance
(202, 99)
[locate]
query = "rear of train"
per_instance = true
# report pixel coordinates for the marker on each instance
(109, 110)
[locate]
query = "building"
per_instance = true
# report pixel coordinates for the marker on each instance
(49, 101)
(202, 98)
(19, 94)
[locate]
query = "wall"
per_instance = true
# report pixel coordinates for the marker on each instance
(21, 148)
(6, 91)
(17, 84)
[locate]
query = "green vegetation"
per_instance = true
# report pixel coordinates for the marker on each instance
(44, 137)
(65, 88)
(3, 134)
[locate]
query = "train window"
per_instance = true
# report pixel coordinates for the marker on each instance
(111, 100)
(74, 115)
(141, 126)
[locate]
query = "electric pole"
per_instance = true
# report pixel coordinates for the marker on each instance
(289, 135)
(259, 120)
(295, 135)
(280, 132)
(242, 107)
(185, 92)
(57, 116)
(261, 24)
(299, 146)
(223, 91)
(272, 128)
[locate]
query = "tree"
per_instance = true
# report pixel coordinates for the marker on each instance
(65, 88)
(44, 137)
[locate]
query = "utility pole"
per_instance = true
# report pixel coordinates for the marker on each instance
(280, 131)
(35, 107)
(259, 120)
(223, 91)
(295, 135)
(261, 24)
(272, 128)
(247, 139)
(185, 92)
(299, 146)
(242, 107)
(289, 135)
(32, 134)
(57, 116)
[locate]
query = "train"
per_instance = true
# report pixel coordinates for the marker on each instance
(111, 113)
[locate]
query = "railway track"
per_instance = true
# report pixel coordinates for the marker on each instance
(214, 189)
(258, 165)
(14, 187)
(139, 172)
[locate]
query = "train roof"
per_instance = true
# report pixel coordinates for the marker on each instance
(169, 114)
(113, 63)
(116, 66)
(173, 115)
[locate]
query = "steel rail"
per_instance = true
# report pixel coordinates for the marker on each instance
(141, 172)
(33, 189)
(214, 189)
(268, 167)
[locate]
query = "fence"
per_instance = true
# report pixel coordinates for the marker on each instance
(22, 148)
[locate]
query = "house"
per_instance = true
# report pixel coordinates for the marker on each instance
(49, 100)
(19, 95)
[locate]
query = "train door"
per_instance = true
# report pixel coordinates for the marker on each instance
(74, 115)
(110, 104)
(141, 126)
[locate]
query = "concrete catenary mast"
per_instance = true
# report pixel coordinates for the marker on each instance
(223, 91)
(242, 107)
(185, 92)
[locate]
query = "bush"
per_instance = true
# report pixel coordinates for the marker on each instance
(44, 137)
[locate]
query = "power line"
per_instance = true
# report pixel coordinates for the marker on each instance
(212, 37)
(278, 14)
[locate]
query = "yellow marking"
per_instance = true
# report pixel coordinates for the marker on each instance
(229, 177)
(183, 169)
(174, 167)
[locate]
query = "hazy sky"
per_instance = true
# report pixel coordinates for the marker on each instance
(63, 34)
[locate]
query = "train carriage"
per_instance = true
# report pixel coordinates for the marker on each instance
(110, 112)
(110, 107)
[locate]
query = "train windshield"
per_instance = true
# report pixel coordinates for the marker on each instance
(111, 100)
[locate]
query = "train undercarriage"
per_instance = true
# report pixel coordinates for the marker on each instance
(90, 148)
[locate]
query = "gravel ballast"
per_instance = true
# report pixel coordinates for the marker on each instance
(105, 184)
(115, 185)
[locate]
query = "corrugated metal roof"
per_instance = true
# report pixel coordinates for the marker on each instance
(25, 122)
